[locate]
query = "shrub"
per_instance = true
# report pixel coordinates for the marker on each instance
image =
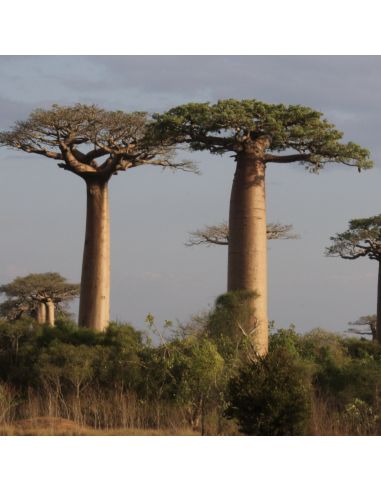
(271, 396)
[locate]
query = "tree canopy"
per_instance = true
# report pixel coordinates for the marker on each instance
(231, 125)
(363, 238)
(79, 135)
(219, 234)
(24, 293)
(370, 321)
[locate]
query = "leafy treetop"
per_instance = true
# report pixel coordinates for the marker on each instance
(41, 286)
(231, 126)
(363, 238)
(79, 135)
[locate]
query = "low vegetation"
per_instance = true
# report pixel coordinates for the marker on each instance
(202, 378)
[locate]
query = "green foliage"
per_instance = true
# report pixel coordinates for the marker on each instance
(361, 348)
(88, 123)
(50, 283)
(81, 134)
(62, 363)
(198, 366)
(363, 238)
(271, 396)
(24, 294)
(119, 359)
(285, 339)
(322, 347)
(202, 373)
(229, 125)
(232, 315)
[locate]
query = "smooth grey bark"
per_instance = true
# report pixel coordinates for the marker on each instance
(50, 314)
(247, 255)
(41, 313)
(94, 308)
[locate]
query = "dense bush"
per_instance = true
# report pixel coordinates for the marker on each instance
(271, 396)
(203, 373)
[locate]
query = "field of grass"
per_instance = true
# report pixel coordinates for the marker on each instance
(53, 426)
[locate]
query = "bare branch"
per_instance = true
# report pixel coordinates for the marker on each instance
(65, 133)
(370, 321)
(288, 158)
(40, 151)
(219, 234)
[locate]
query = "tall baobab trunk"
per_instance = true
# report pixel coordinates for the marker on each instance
(50, 318)
(378, 325)
(94, 307)
(41, 313)
(247, 257)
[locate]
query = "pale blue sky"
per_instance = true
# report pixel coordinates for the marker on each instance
(43, 207)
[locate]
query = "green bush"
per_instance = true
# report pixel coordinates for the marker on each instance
(232, 315)
(271, 397)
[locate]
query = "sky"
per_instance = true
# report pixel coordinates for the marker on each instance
(42, 207)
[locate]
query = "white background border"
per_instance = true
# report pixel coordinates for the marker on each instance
(181, 28)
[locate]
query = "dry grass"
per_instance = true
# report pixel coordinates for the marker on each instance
(356, 420)
(114, 413)
(53, 426)
(118, 413)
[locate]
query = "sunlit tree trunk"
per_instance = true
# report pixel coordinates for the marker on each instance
(50, 317)
(41, 313)
(378, 326)
(94, 308)
(247, 257)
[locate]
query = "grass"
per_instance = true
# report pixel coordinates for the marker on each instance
(54, 426)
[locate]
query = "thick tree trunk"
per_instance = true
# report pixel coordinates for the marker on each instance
(247, 257)
(378, 326)
(41, 313)
(50, 318)
(94, 307)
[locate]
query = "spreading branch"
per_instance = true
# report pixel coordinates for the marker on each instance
(25, 293)
(235, 126)
(219, 234)
(80, 135)
(370, 321)
(362, 239)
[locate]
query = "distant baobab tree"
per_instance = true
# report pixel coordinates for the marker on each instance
(94, 144)
(361, 239)
(40, 295)
(369, 321)
(257, 134)
(219, 234)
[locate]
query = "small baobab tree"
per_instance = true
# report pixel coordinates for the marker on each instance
(95, 145)
(219, 234)
(365, 325)
(361, 239)
(40, 295)
(257, 134)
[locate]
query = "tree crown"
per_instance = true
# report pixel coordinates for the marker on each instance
(232, 126)
(41, 286)
(370, 321)
(79, 135)
(219, 234)
(363, 238)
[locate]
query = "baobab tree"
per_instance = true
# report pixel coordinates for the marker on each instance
(219, 234)
(94, 144)
(361, 239)
(369, 321)
(40, 295)
(257, 134)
